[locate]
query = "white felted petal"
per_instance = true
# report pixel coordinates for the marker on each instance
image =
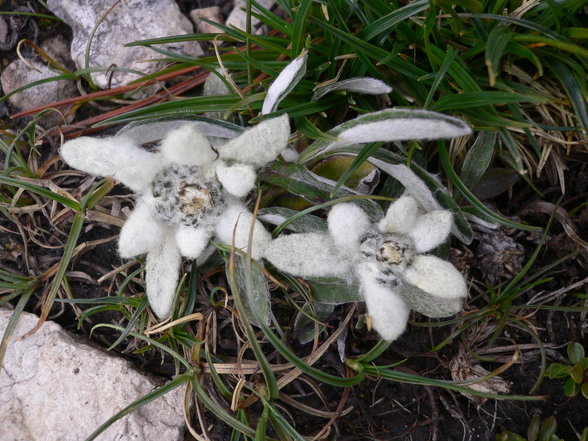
(162, 269)
(187, 146)
(347, 224)
(141, 232)
(260, 144)
(431, 230)
(400, 217)
(237, 179)
(118, 157)
(284, 83)
(427, 304)
(436, 277)
(307, 255)
(388, 312)
(241, 217)
(192, 241)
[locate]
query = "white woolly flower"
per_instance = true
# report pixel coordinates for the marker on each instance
(187, 193)
(386, 259)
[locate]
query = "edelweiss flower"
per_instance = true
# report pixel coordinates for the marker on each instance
(386, 259)
(187, 193)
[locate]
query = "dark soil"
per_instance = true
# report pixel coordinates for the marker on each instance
(381, 410)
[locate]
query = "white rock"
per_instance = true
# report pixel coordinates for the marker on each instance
(56, 388)
(129, 21)
(212, 13)
(238, 17)
(17, 74)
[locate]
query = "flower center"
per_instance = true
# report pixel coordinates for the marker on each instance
(390, 253)
(186, 195)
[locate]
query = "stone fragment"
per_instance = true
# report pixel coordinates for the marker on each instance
(57, 388)
(127, 21)
(238, 16)
(18, 74)
(212, 13)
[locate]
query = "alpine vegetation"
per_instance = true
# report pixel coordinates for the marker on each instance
(187, 192)
(386, 259)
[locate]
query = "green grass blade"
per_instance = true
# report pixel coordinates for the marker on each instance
(452, 175)
(572, 87)
(219, 411)
(361, 157)
(74, 205)
(499, 37)
(388, 22)
(13, 321)
(440, 76)
(132, 321)
(264, 365)
(485, 98)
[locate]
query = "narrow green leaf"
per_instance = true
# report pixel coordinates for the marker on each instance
(311, 312)
(300, 181)
(478, 158)
(13, 322)
(299, 26)
(407, 378)
(333, 291)
(306, 368)
(306, 127)
(72, 240)
(558, 44)
(257, 296)
(305, 224)
(389, 21)
(451, 174)
(440, 76)
(573, 89)
(359, 160)
(485, 98)
(499, 37)
(372, 51)
(74, 205)
(131, 323)
(219, 411)
(266, 369)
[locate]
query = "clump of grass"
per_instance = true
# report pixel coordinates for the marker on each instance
(515, 71)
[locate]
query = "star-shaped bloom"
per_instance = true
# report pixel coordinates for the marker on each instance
(387, 260)
(187, 192)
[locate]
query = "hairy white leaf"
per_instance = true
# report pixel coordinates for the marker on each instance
(284, 83)
(389, 125)
(365, 85)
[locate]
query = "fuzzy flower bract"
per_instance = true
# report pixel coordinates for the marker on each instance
(387, 260)
(187, 192)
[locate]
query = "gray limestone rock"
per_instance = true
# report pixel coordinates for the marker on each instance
(238, 17)
(212, 13)
(55, 388)
(18, 74)
(128, 21)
